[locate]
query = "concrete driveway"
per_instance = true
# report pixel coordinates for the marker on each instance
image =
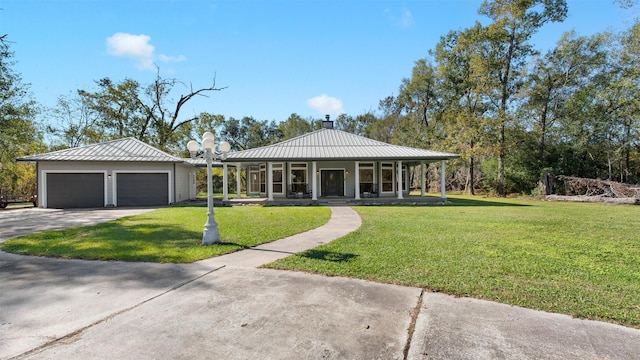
(22, 221)
(226, 308)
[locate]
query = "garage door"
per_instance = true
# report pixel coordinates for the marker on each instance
(73, 190)
(142, 189)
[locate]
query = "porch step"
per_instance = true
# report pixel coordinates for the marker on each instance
(333, 202)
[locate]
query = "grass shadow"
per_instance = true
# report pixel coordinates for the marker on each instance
(477, 202)
(328, 255)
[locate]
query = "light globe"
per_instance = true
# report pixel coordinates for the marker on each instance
(193, 146)
(224, 146)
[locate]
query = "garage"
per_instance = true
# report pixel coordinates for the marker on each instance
(75, 190)
(142, 189)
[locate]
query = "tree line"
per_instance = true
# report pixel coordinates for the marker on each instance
(485, 92)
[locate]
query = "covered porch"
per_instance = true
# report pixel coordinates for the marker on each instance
(299, 182)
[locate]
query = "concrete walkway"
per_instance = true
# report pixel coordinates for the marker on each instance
(226, 308)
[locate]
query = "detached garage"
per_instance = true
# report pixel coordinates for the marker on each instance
(125, 172)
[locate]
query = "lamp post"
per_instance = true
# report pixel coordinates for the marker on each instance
(211, 234)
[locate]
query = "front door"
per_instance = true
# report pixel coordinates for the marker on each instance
(332, 182)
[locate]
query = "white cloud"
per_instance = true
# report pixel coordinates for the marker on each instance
(325, 104)
(405, 20)
(138, 48)
(169, 59)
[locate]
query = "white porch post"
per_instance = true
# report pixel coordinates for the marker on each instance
(423, 181)
(270, 181)
(443, 194)
(400, 197)
(357, 180)
(314, 181)
(238, 190)
(225, 185)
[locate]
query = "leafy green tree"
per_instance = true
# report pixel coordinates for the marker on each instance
(294, 126)
(74, 124)
(249, 133)
(502, 55)
(554, 79)
(146, 113)
(19, 133)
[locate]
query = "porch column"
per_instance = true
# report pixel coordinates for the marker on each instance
(357, 180)
(423, 180)
(443, 195)
(314, 181)
(400, 197)
(225, 185)
(270, 181)
(238, 190)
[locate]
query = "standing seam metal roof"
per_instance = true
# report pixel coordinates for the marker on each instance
(333, 144)
(127, 149)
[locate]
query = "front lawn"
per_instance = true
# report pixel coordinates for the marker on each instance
(577, 259)
(171, 234)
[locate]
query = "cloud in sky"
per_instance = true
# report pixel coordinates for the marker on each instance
(404, 20)
(325, 104)
(138, 47)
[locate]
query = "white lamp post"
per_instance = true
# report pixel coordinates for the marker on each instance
(211, 234)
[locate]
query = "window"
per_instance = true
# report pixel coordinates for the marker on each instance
(299, 177)
(387, 177)
(278, 185)
(367, 178)
(254, 180)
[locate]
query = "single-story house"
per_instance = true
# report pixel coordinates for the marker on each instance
(326, 163)
(330, 163)
(125, 172)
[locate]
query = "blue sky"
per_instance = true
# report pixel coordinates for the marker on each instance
(275, 58)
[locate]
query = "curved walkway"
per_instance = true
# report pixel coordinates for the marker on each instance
(343, 221)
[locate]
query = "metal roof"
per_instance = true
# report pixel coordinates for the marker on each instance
(127, 149)
(333, 144)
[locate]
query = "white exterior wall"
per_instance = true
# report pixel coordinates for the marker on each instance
(179, 184)
(185, 182)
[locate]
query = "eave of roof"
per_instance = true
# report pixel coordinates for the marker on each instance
(333, 144)
(122, 150)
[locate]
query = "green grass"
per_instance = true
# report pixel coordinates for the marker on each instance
(577, 259)
(171, 234)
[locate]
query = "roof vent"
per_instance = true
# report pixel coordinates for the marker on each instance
(327, 124)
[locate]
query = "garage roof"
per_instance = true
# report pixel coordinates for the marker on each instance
(333, 144)
(127, 149)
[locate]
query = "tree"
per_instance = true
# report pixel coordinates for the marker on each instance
(505, 49)
(19, 134)
(76, 123)
(556, 77)
(128, 109)
(249, 133)
(294, 126)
